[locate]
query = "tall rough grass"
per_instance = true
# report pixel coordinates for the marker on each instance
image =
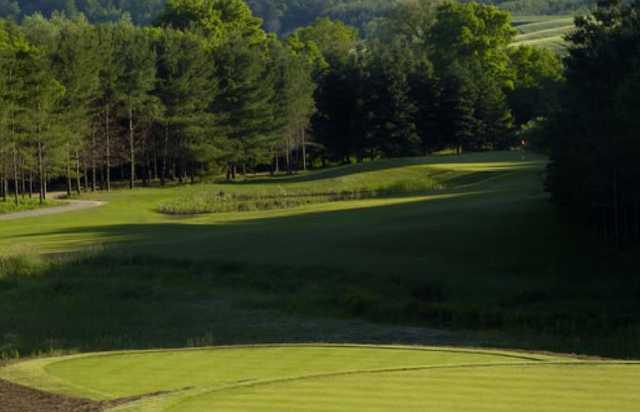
(10, 206)
(220, 201)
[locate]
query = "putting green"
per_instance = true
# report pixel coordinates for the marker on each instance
(340, 378)
(536, 388)
(111, 376)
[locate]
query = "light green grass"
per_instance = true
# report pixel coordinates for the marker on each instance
(543, 31)
(340, 378)
(139, 208)
(512, 389)
(542, 34)
(556, 43)
(531, 24)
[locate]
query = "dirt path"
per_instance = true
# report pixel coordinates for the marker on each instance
(71, 206)
(16, 398)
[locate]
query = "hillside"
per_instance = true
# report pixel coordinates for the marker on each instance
(543, 31)
(282, 16)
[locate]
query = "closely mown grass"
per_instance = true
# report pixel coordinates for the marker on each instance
(9, 206)
(338, 378)
(126, 374)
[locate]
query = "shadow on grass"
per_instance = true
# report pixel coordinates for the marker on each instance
(497, 268)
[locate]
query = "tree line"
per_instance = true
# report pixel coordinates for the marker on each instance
(431, 77)
(279, 16)
(206, 90)
(593, 136)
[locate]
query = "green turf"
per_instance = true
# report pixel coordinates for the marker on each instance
(338, 378)
(484, 254)
(513, 389)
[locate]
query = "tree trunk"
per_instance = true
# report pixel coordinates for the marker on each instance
(40, 172)
(304, 150)
(23, 179)
(3, 192)
(30, 183)
(155, 162)
(93, 160)
(108, 154)
(288, 156)
(132, 153)
(78, 183)
(86, 175)
(5, 188)
(15, 174)
(163, 172)
(68, 173)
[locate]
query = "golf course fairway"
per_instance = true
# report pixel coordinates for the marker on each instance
(336, 378)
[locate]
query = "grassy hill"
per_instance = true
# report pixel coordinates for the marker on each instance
(543, 31)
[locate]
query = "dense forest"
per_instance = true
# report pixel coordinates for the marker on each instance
(207, 90)
(594, 135)
(282, 16)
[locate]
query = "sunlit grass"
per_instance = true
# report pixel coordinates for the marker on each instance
(337, 378)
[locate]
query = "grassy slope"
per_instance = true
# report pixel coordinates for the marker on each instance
(339, 378)
(486, 254)
(543, 31)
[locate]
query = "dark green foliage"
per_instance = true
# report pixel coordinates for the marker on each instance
(537, 78)
(208, 89)
(279, 16)
(339, 122)
(390, 111)
(142, 11)
(186, 86)
(594, 170)
(246, 104)
(457, 121)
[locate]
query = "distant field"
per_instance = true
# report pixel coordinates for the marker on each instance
(338, 378)
(543, 31)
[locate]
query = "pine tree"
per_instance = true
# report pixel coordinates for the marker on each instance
(75, 64)
(246, 103)
(136, 81)
(186, 87)
(458, 123)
